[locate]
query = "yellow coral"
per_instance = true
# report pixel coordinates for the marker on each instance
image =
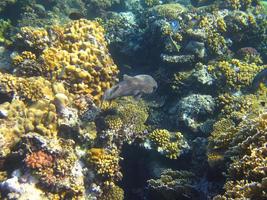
(106, 164)
(114, 122)
(25, 55)
(34, 37)
(235, 74)
(167, 143)
(32, 89)
(221, 25)
(77, 54)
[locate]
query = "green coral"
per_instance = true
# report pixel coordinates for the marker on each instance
(4, 27)
(131, 114)
(113, 193)
(169, 11)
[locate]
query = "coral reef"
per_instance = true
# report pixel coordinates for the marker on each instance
(106, 164)
(114, 192)
(169, 144)
(4, 3)
(174, 184)
(234, 75)
(71, 54)
(125, 123)
(246, 175)
(191, 107)
(60, 140)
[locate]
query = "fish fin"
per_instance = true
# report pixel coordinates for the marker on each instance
(126, 77)
(115, 88)
(138, 96)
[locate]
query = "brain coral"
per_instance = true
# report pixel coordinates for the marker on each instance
(76, 53)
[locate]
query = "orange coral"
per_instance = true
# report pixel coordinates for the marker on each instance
(39, 160)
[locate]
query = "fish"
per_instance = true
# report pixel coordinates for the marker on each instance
(261, 77)
(175, 26)
(134, 86)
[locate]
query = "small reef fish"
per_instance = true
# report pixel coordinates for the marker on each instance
(175, 25)
(132, 86)
(261, 77)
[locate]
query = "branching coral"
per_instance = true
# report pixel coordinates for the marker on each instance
(246, 176)
(234, 110)
(151, 3)
(241, 4)
(221, 136)
(212, 28)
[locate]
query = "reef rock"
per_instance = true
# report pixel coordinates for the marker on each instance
(195, 111)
